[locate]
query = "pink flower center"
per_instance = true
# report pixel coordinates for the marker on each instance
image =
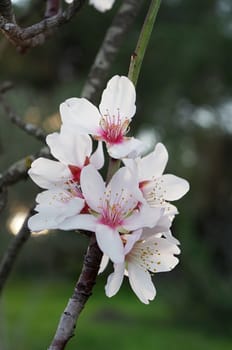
(76, 171)
(113, 128)
(113, 211)
(112, 215)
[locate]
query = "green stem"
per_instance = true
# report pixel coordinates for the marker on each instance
(145, 34)
(136, 63)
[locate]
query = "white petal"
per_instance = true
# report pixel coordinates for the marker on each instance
(104, 263)
(154, 163)
(141, 283)
(145, 217)
(174, 186)
(92, 186)
(160, 254)
(97, 158)
(48, 173)
(69, 147)
(131, 239)
(102, 5)
(110, 243)
(114, 280)
(80, 114)
(79, 222)
(162, 225)
(168, 235)
(130, 147)
(54, 206)
(124, 188)
(119, 98)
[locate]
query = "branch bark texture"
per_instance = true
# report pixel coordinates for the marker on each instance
(13, 250)
(82, 292)
(24, 38)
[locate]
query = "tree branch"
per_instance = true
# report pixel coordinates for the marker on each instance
(24, 38)
(112, 42)
(6, 10)
(52, 8)
(13, 250)
(29, 128)
(18, 171)
(82, 292)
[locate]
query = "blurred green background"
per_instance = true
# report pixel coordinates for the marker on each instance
(184, 99)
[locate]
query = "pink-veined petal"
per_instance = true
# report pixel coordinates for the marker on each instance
(80, 114)
(114, 280)
(97, 158)
(102, 5)
(80, 222)
(104, 263)
(48, 173)
(174, 187)
(119, 98)
(110, 243)
(154, 163)
(130, 147)
(70, 147)
(92, 186)
(141, 283)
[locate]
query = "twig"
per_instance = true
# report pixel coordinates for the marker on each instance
(3, 198)
(24, 38)
(29, 128)
(5, 86)
(52, 8)
(6, 10)
(13, 250)
(82, 292)
(113, 41)
(18, 171)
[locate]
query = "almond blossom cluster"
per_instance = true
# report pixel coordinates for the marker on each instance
(131, 215)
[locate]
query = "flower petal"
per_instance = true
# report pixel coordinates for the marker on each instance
(119, 98)
(114, 280)
(145, 217)
(130, 147)
(97, 158)
(92, 186)
(69, 147)
(81, 114)
(79, 222)
(110, 243)
(174, 187)
(131, 239)
(124, 188)
(141, 283)
(54, 206)
(104, 263)
(157, 254)
(153, 164)
(102, 5)
(48, 173)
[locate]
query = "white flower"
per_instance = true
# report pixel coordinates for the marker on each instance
(110, 123)
(158, 189)
(114, 209)
(102, 5)
(143, 254)
(63, 197)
